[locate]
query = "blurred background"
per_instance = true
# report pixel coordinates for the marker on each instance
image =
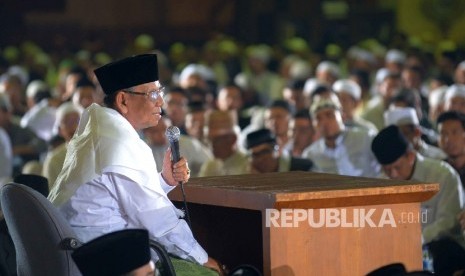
(110, 25)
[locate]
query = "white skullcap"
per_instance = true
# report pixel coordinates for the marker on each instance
(34, 87)
(203, 71)
(242, 81)
(300, 70)
(401, 116)
(436, 96)
(455, 90)
(396, 56)
(348, 86)
(328, 66)
(320, 103)
(461, 65)
(20, 72)
(381, 74)
(62, 111)
(310, 85)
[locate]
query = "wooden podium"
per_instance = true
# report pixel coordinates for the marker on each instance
(354, 225)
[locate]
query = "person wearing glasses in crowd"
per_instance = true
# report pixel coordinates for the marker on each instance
(264, 155)
(110, 180)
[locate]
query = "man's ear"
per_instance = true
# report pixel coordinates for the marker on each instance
(121, 103)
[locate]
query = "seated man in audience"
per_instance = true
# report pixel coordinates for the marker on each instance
(407, 120)
(301, 134)
(276, 118)
(66, 123)
(350, 94)
(125, 252)
(222, 134)
(264, 155)
(400, 161)
(340, 150)
(451, 127)
(195, 120)
(25, 144)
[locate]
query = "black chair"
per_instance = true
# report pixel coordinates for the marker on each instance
(42, 237)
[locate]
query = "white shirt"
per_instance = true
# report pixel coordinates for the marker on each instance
(352, 155)
(441, 210)
(235, 164)
(114, 202)
(110, 182)
(53, 163)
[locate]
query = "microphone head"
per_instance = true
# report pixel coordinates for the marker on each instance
(172, 133)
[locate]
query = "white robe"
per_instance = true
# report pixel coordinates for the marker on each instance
(110, 182)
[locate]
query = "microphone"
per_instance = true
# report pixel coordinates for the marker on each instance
(173, 133)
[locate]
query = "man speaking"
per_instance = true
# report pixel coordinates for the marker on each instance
(109, 180)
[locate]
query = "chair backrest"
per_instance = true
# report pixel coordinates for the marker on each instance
(42, 237)
(37, 182)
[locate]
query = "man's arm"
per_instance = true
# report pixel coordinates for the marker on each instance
(145, 208)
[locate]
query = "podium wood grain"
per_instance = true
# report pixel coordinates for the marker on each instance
(228, 217)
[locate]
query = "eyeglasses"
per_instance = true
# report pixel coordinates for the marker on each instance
(153, 95)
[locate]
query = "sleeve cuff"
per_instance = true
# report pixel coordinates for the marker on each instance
(165, 186)
(198, 254)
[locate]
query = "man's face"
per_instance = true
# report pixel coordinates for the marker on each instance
(277, 120)
(402, 168)
(459, 76)
(456, 103)
(262, 158)
(84, 96)
(452, 138)
(195, 122)
(302, 132)
(176, 108)
(222, 144)
(348, 104)
(69, 124)
(229, 98)
(329, 122)
(411, 79)
(143, 112)
(295, 97)
(389, 87)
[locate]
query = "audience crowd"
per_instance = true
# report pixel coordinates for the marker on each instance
(370, 111)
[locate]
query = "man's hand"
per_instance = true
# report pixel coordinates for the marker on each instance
(215, 265)
(175, 173)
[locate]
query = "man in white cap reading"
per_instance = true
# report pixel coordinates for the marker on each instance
(110, 180)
